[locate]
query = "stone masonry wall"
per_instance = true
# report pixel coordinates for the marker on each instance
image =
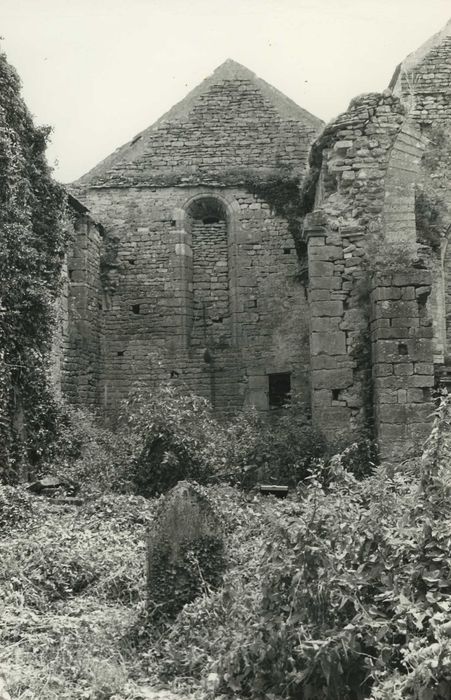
(154, 273)
(82, 328)
(424, 84)
(211, 308)
(402, 352)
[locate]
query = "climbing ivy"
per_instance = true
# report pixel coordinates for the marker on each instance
(32, 242)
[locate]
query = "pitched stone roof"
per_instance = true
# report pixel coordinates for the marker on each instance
(232, 119)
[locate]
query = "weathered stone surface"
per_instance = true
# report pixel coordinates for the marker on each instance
(185, 550)
(333, 379)
(326, 308)
(329, 343)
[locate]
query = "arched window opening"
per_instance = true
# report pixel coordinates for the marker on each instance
(207, 222)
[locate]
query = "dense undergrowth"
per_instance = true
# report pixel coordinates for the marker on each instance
(341, 592)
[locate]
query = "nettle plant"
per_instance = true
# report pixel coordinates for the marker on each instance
(32, 243)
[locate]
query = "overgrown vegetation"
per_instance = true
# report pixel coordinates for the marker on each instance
(168, 434)
(32, 242)
(341, 591)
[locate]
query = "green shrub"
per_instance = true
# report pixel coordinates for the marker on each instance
(430, 214)
(279, 448)
(176, 437)
(15, 506)
(343, 593)
(89, 453)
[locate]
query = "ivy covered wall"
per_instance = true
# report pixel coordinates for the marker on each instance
(32, 242)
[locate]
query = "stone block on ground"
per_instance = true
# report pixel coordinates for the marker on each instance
(185, 554)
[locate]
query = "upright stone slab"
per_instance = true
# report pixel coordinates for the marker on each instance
(185, 551)
(402, 352)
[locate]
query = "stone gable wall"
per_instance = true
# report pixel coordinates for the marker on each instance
(232, 126)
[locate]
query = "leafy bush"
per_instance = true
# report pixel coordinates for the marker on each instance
(15, 506)
(92, 454)
(280, 449)
(176, 438)
(430, 214)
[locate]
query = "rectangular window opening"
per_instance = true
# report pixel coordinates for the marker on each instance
(403, 349)
(287, 251)
(335, 394)
(70, 274)
(279, 389)
(136, 308)
(120, 353)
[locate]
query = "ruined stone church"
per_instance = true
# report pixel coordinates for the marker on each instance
(242, 247)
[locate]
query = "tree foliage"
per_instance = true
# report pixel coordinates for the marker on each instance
(32, 238)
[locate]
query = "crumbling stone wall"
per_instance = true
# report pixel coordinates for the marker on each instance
(353, 163)
(372, 337)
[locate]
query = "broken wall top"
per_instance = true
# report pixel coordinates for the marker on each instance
(231, 121)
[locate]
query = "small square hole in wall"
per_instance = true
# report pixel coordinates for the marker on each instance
(253, 303)
(335, 394)
(173, 223)
(100, 306)
(70, 274)
(403, 349)
(131, 261)
(136, 308)
(120, 353)
(174, 374)
(287, 251)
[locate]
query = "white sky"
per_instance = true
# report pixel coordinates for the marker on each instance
(99, 71)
